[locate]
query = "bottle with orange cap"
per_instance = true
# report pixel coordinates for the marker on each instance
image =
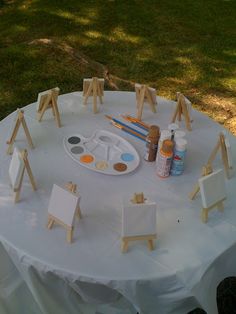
(164, 159)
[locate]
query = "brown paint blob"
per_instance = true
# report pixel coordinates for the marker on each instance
(119, 166)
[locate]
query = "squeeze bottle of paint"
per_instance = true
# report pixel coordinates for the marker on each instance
(179, 134)
(165, 134)
(177, 166)
(152, 143)
(164, 159)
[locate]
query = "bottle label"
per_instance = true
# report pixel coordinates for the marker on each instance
(163, 165)
(150, 151)
(177, 166)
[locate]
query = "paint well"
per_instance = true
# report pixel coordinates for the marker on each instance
(101, 165)
(87, 159)
(120, 166)
(127, 157)
(74, 140)
(77, 150)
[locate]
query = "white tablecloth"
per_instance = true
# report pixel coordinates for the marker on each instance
(92, 275)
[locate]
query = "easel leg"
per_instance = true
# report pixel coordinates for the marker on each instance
(17, 193)
(13, 137)
(69, 235)
(150, 244)
(79, 214)
(56, 112)
(89, 90)
(27, 133)
(95, 84)
(50, 223)
(124, 245)
(204, 215)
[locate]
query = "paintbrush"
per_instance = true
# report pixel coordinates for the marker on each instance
(136, 122)
(133, 133)
(126, 126)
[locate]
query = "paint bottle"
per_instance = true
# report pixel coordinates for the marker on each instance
(164, 159)
(179, 134)
(177, 166)
(152, 143)
(172, 128)
(165, 135)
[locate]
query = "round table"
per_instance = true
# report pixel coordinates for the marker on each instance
(92, 274)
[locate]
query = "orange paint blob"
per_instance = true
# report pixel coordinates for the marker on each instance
(87, 159)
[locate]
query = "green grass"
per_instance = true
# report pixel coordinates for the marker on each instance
(186, 45)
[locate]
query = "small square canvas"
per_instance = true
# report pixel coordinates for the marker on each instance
(138, 219)
(42, 96)
(63, 205)
(16, 169)
(212, 188)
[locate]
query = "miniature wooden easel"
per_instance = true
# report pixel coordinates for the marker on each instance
(138, 198)
(205, 211)
(70, 229)
(24, 157)
(20, 120)
(182, 109)
(143, 93)
(207, 169)
(50, 101)
(93, 87)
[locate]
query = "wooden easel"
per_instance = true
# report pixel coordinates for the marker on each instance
(93, 87)
(49, 101)
(70, 229)
(205, 211)
(20, 120)
(182, 109)
(24, 157)
(144, 94)
(138, 198)
(207, 169)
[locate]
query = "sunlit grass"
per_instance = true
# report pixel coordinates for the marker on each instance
(187, 46)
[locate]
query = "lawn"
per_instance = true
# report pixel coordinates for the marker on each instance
(187, 46)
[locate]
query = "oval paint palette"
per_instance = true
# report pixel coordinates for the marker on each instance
(103, 152)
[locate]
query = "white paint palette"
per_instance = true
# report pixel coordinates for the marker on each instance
(103, 152)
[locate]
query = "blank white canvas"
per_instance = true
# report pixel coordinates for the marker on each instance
(16, 168)
(212, 188)
(138, 219)
(63, 205)
(42, 97)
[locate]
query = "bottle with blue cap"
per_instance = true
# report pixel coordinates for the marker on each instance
(177, 166)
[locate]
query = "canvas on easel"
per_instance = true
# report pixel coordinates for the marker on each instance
(213, 193)
(183, 108)
(63, 208)
(223, 146)
(48, 100)
(19, 163)
(20, 120)
(93, 87)
(138, 221)
(145, 94)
